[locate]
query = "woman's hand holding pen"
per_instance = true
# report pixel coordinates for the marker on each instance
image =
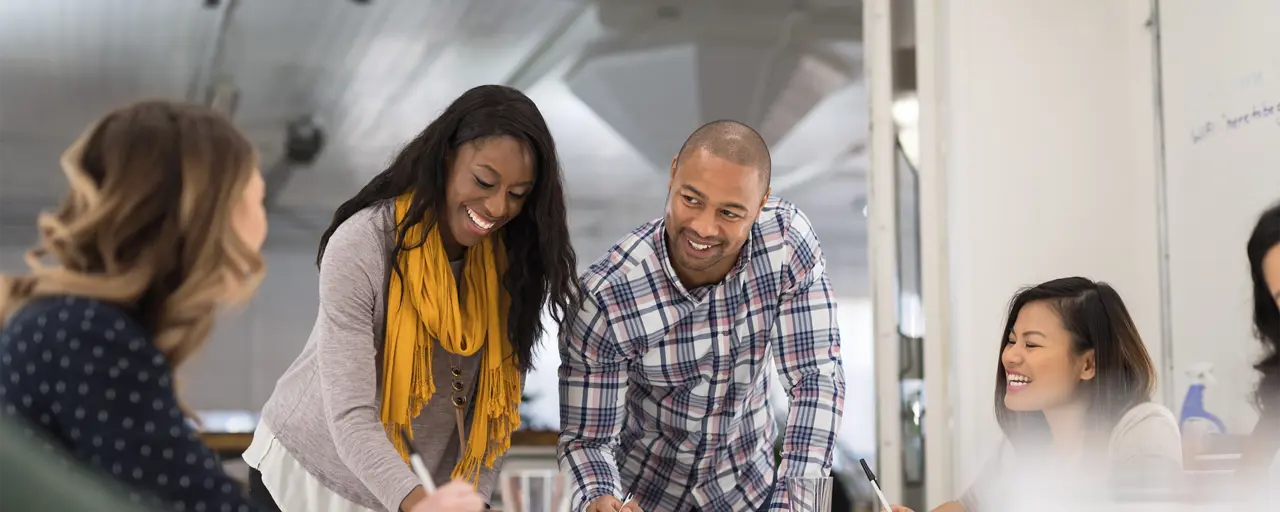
(456, 496)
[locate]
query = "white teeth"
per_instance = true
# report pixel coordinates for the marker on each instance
(478, 221)
(698, 246)
(1017, 379)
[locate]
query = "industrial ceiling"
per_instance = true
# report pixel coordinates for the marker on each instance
(621, 82)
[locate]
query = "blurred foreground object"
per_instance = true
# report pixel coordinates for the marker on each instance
(36, 476)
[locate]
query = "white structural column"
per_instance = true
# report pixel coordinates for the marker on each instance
(882, 237)
(940, 401)
(1038, 161)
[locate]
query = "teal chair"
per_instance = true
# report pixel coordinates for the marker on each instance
(35, 477)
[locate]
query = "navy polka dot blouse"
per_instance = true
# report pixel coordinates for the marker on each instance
(87, 375)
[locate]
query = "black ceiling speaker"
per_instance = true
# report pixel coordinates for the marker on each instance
(304, 139)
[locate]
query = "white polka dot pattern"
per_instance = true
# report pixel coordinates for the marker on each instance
(111, 406)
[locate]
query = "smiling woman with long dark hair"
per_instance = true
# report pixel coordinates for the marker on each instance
(1264, 263)
(1073, 399)
(433, 279)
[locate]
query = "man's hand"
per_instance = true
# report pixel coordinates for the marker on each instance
(612, 504)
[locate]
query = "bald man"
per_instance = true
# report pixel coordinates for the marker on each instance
(664, 371)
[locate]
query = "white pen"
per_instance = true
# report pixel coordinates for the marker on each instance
(415, 461)
(874, 485)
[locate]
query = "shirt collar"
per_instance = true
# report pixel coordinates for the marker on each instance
(744, 260)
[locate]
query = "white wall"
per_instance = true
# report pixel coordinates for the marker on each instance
(252, 346)
(1046, 137)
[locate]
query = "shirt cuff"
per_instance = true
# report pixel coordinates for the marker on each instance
(590, 493)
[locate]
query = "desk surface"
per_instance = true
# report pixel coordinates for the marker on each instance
(229, 433)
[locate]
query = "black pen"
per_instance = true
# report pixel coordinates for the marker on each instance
(874, 485)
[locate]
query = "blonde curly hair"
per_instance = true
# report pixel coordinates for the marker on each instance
(146, 223)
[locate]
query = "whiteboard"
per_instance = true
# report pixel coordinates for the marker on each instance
(1220, 81)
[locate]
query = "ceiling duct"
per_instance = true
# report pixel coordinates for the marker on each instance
(667, 68)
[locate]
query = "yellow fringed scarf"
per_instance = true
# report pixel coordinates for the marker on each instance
(427, 309)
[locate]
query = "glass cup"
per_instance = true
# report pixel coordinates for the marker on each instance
(533, 490)
(808, 494)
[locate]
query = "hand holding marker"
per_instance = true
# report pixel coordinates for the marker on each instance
(456, 496)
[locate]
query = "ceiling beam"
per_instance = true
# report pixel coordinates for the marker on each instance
(200, 90)
(569, 37)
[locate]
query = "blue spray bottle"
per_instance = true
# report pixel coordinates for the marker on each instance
(1198, 424)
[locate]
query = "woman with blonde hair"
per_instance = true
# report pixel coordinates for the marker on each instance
(162, 225)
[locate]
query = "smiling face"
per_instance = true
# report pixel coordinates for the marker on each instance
(489, 181)
(711, 206)
(1042, 369)
(1271, 272)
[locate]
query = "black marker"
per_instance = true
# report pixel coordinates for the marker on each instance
(872, 477)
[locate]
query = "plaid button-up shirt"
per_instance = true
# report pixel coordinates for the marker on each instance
(664, 391)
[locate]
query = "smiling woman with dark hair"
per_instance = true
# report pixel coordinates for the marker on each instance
(433, 279)
(1072, 362)
(1264, 264)
(1073, 398)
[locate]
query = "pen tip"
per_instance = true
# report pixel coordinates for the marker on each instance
(870, 475)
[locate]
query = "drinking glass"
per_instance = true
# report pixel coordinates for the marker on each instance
(533, 490)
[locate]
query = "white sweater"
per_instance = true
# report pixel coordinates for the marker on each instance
(1145, 441)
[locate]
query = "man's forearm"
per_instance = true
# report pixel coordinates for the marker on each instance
(593, 382)
(808, 442)
(593, 471)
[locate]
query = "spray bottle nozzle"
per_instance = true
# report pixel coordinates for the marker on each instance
(1201, 373)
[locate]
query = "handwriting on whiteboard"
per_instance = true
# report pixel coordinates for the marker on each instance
(1262, 114)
